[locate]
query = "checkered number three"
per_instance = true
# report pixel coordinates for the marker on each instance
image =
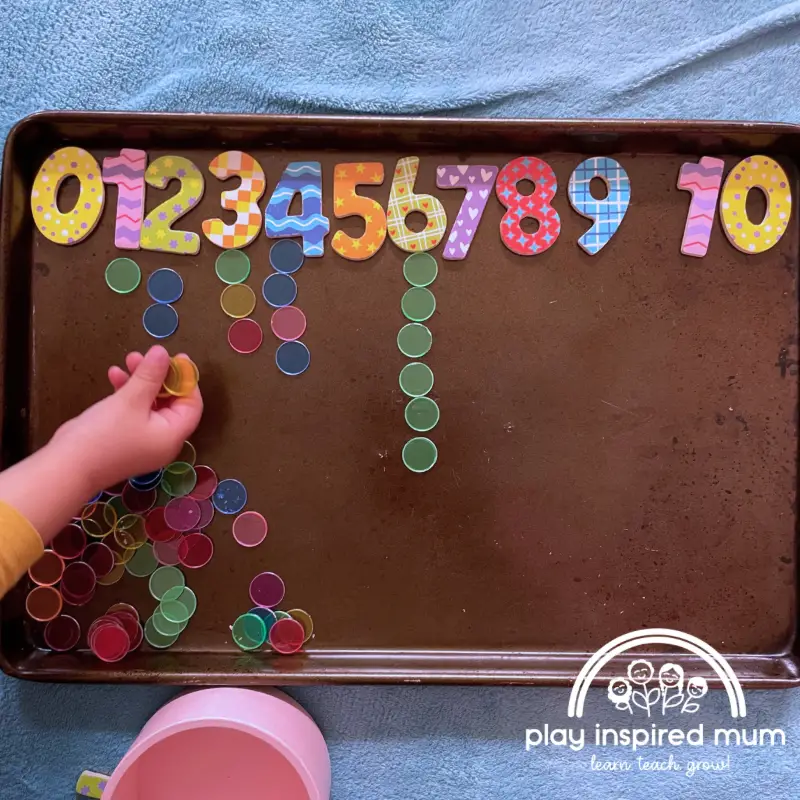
(533, 206)
(243, 200)
(607, 212)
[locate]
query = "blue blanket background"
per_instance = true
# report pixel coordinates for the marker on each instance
(725, 59)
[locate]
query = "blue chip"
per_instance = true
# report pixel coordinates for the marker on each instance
(280, 290)
(292, 358)
(266, 614)
(286, 256)
(95, 498)
(165, 286)
(146, 482)
(160, 320)
(230, 496)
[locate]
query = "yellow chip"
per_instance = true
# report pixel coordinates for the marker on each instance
(181, 381)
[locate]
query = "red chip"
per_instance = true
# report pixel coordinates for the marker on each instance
(129, 622)
(138, 501)
(62, 633)
(156, 526)
(100, 557)
(70, 542)
(79, 580)
(206, 483)
(245, 336)
(287, 636)
(195, 550)
(111, 643)
(75, 600)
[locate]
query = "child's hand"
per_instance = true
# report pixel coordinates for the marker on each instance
(125, 435)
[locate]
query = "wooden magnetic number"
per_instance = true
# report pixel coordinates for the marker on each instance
(346, 203)
(243, 200)
(608, 212)
(402, 201)
(534, 206)
(311, 224)
(158, 233)
(67, 227)
(127, 171)
(478, 180)
(755, 172)
(703, 181)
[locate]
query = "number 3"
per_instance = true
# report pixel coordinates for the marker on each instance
(243, 200)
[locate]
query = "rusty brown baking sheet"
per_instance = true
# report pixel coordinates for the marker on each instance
(617, 443)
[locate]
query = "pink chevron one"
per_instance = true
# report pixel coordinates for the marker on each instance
(127, 171)
(703, 180)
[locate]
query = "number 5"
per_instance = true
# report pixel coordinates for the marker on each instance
(346, 203)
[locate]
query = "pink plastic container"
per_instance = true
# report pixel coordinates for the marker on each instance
(226, 742)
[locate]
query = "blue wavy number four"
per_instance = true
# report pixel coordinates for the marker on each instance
(311, 224)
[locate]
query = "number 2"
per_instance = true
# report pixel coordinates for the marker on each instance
(157, 233)
(478, 181)
(536, 206)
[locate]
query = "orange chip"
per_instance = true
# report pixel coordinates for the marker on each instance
(183, 380)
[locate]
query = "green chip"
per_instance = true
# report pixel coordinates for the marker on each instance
(172, 594)
(416, 379)
(233, 266)
(414, 340)
(114, 505)
(419, 454)
(418, 304)
(156, 639)
(420, 269)
(249, 631)
(179, 479)
(123, 275)
(279, 615)
(165, 627)
(188, 599)
(143, 562)
(422, 414)
(173, 611)
(164, 579)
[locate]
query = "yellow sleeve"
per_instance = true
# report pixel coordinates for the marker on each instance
(20, 546)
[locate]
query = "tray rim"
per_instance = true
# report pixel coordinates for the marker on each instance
(556, 669)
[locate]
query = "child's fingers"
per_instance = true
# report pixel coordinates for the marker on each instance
(183, 414)
(148, 377)
(117, 377)
(132, 361)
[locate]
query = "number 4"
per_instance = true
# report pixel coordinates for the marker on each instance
(311, 224)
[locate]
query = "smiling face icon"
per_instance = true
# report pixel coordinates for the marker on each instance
(697, 687)
(619, 691)
(670, 675)
(640, 671)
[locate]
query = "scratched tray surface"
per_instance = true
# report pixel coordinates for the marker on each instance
(617, 440)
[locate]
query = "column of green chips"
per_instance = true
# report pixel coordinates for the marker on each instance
(416, 378)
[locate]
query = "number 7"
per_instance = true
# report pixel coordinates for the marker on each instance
(478, 180)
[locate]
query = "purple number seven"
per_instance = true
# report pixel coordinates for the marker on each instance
(478, 180)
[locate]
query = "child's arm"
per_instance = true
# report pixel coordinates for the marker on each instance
(121, 436)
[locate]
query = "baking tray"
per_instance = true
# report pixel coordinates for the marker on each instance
(617, 444)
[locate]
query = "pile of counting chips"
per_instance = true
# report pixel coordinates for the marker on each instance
(153, 526)
(285, 631)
